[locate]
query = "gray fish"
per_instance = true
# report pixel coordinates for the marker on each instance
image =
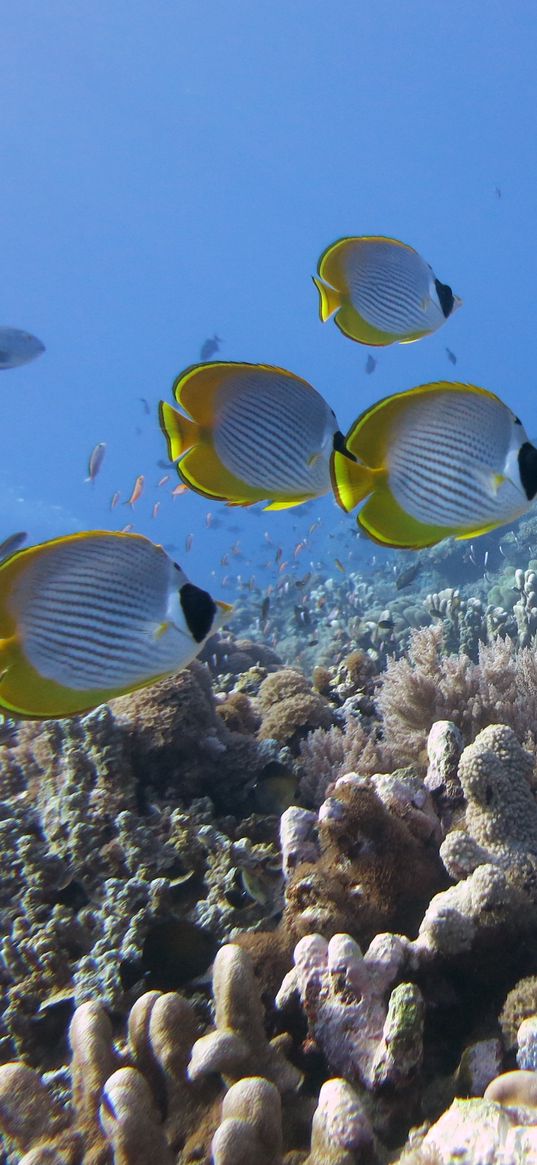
(210, 346)
(96, 460)
(406, 576)
(451, 356)
(18, 347)
(12, 543)
(370, 364)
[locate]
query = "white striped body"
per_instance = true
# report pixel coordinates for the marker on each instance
(274, 433)
(452, 460)
(392, 288)
(102, 612)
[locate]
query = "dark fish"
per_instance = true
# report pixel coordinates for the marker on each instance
(406, 576)
(12, 543)
(265, 607)
(147, 410)
(370, 364)
(451, 356)
(210, 346)
(164, 464)
(18, 347)
(498, 192)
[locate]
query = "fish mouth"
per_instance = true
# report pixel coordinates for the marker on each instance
(457, 303)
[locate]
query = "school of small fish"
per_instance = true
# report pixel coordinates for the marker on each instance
(89, 616)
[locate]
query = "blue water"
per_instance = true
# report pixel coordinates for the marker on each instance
(172, 170)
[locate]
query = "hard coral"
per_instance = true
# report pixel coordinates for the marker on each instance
(365, 1032)
(239, 1046)
(290, 708)
(496, 856)
(378, 866)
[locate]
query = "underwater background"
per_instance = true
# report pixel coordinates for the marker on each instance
(283, 905)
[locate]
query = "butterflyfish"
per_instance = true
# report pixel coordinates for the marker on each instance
(253, 433)
(380, 291)
(444, 459)
(90, 616)
(18, 347)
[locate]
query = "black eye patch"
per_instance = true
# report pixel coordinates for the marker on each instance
(445, 296)
(199, 610)
(527, 464)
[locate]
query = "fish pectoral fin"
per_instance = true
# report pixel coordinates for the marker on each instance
(162, 628)
(329, 299)
(351, 481)
(497, 480)
(313, 459)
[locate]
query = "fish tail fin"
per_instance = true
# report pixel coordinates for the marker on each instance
(351, 481)
(180, 432)
(329, 299)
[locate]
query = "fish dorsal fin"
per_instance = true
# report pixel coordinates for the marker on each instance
(331, 263)
(369, 437)
(196, 388)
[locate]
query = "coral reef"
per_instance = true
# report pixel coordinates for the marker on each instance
(356, 858)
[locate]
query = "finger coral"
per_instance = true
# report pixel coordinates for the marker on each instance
(238, 1047)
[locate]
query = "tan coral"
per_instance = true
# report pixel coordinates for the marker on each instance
(239, 1047)
(251, 1127)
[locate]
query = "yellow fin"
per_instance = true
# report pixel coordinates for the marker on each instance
(204, 472)
(329, 299)
(384, 520)
(179, 431)
(197, 387)
(287, 503)
(353, 325)
(351, 482)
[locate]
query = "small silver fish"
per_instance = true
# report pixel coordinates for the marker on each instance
(96, 460)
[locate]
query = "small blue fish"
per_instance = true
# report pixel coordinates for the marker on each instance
(18, 347)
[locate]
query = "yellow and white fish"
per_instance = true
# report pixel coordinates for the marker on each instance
(381, 291)
(444, 459)
(254, 433)
(91, 616)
